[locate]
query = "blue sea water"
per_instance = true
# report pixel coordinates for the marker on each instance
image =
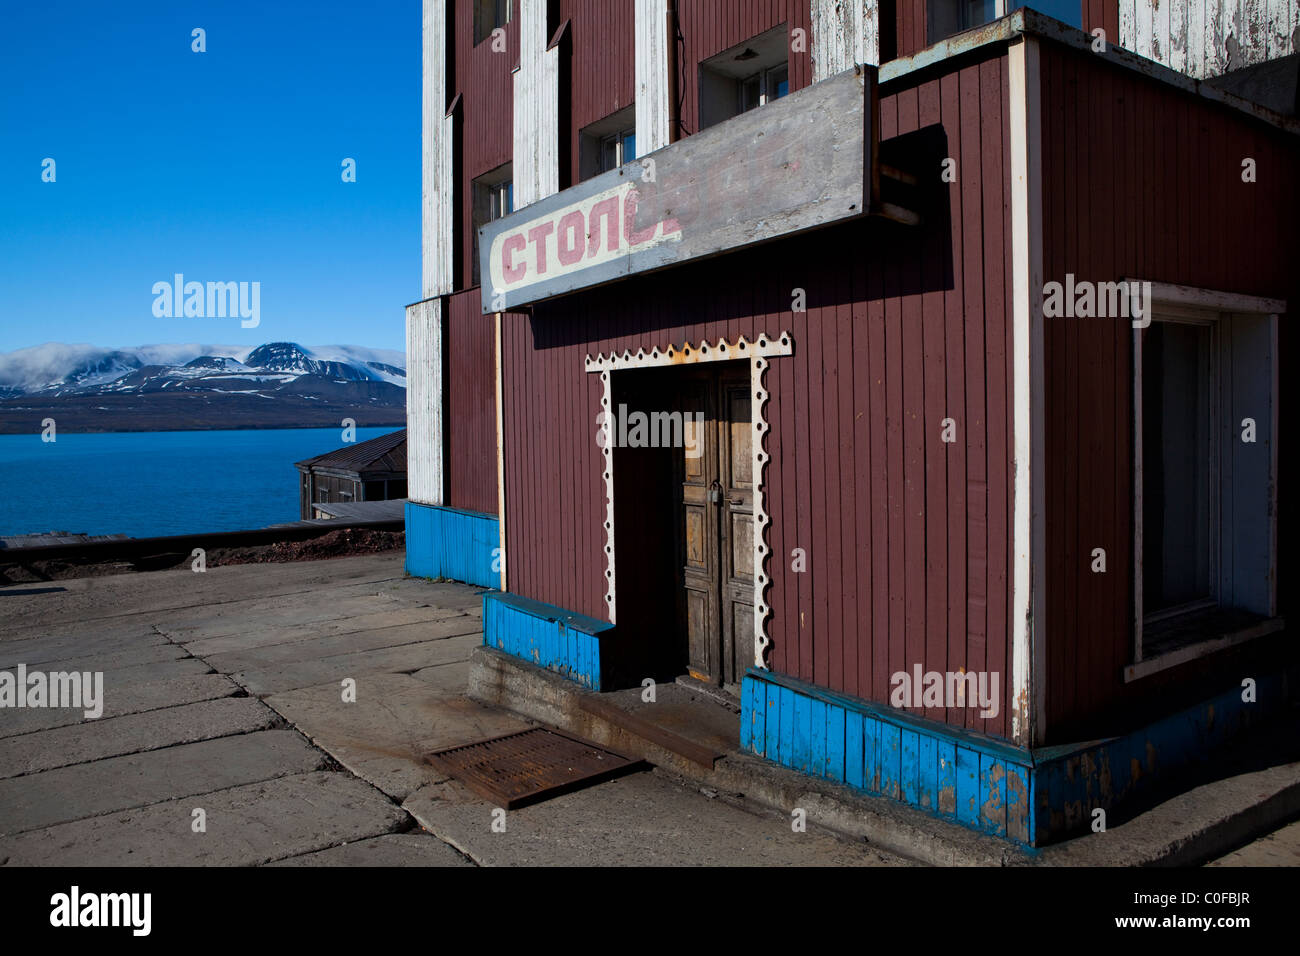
(156, 483)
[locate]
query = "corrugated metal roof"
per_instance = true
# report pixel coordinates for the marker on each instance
(393, 509)
(385, 453)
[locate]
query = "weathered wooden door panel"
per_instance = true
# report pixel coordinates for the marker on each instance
(699, 529)
(717, 515)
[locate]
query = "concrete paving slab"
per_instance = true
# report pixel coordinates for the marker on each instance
(394, 849)
(134, 733)
(449, 679)
(120, 783)
(640, 820)
(277, 678)
(372, 620)
(34, 650)
(396, 719)
(151, 671)
(352, 642)
(126, 698)
(91, 658)
(1279, 848)
(105, 600)
(247, 825)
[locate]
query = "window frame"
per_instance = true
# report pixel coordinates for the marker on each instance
(618, 141)
(498, 185)
(1204, 306)
(482, 29)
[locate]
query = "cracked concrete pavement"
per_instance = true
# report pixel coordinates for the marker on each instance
(224, 703)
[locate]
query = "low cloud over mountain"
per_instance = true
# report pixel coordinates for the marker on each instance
(88, 388)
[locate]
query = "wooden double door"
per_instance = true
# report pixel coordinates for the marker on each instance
(715, 518)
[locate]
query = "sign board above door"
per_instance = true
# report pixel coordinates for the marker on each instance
(806, 160)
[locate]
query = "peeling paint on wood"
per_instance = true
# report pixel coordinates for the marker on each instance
(536, 109)
(1206, 38)
(844, 33)
(651, 65)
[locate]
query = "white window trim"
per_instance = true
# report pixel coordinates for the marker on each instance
(1188, 303)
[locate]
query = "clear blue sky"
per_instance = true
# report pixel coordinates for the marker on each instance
(223, 165)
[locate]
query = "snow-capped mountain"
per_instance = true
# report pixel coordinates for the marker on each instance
(60, 370)
(163, 387)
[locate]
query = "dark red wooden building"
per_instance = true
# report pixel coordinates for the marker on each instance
(931, 409)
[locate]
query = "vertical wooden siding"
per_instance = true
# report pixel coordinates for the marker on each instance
(483, 80)
(602, 68)
(910, 26)
(1102, 14)
(710, 26)
(1139, 179)
(471, 405)
(906, 536)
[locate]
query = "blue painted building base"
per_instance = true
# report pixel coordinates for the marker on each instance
(452, 543)
(1029, 797)
(561, 641)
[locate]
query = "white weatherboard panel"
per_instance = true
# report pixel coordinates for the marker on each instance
(438, 189)
(652, 107)
(844, 33)
(1206, 38)
(536, 109)
(424, 402)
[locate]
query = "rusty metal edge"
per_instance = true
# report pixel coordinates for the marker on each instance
(630, 765)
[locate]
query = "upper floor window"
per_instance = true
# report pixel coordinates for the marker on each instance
(607, 144)
(749, 74)
(617, 149)
(488, 16)
(493, 197)
(764, 87)
(946, 17)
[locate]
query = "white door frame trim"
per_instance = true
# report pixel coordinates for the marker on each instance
(758, 352)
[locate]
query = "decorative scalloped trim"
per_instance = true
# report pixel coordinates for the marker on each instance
(758, 353)
(720, 351)
(608, 452)
(758, 414)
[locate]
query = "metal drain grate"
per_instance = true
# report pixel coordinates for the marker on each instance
(530, 765)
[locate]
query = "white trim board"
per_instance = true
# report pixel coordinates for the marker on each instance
(1167, 293)
(1028, 648)
(758, 352)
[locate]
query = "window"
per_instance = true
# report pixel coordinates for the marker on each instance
(607, 144)
(494, 197)
(1179, 457)
(488, 15)
(617, 149)
(762, 88)
(746, 76)
(946, 17)
(1205, 391)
